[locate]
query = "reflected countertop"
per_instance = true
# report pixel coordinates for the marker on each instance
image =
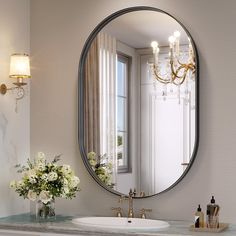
(63, 224)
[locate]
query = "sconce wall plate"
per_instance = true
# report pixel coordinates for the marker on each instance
(3, 89)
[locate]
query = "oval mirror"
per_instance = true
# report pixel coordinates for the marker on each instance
(138, 102)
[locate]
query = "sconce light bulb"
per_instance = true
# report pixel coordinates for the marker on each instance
(154, 44)
(176, 34)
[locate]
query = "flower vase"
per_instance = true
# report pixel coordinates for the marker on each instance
(45, 211)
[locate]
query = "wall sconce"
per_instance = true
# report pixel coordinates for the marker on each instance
(19, 70)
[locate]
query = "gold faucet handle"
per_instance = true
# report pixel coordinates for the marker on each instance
(143, 212)
(142, 194)
(118, 211)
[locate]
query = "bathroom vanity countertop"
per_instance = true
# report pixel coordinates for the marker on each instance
(63, 225)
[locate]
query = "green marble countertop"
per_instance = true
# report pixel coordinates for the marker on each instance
(63, 224)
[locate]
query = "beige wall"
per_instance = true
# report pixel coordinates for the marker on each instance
(14, 127)
(59, 29)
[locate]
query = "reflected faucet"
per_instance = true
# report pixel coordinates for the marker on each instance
(131, 209)
(130, 199)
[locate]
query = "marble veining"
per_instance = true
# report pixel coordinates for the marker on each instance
(3, 125)
(63, 224)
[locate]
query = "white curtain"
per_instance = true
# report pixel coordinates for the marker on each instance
(107, 77)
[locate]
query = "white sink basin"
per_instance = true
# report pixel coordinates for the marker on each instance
(121, 223)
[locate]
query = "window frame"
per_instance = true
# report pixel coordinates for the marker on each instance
(126, 60)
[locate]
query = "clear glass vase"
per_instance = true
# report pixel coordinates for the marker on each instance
(45, 211)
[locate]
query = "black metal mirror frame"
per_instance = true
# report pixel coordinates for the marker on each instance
(85, 50)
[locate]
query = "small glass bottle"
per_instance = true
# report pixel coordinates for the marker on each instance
(199, 218)
(212, 214)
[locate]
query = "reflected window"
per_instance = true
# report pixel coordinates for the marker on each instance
(122, 81)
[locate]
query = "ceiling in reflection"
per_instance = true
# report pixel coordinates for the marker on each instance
(138, 29)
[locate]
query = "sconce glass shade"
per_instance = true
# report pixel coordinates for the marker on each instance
(19, 66)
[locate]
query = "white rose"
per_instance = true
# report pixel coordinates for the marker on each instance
(40, 161)
(66, 169)
(74, 182)
(31, 195)
(44, 177)
(45, 197)
(40, 157)
(40, 166)
(52, 176)
(50, 165)
(91, 155)
(13, 184)
(31, 175)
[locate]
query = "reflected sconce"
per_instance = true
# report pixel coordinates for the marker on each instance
(19, 70)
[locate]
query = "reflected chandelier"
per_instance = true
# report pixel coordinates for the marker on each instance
(178, 71)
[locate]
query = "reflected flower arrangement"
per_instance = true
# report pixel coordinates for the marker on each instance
(102, 168)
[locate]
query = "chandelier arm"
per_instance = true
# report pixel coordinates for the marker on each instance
(158, 78)
(181, 82)
(175, 73)
(189, 65)
(183, 64)
(192, 67)
(180, 62)
(183, 77)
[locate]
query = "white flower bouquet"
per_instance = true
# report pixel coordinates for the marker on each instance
(44, 181)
